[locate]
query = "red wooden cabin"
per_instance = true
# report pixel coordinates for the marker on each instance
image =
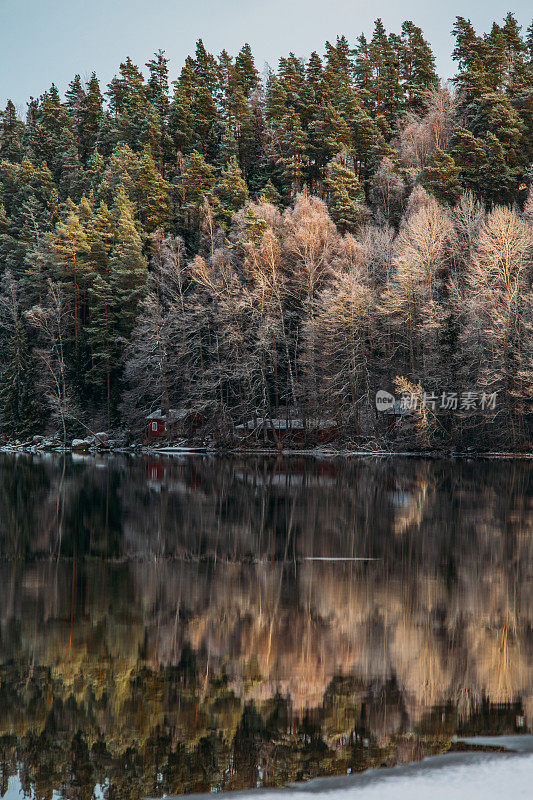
(177, 422)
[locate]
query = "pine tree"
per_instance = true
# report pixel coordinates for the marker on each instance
(91, 117)
(470, 54)
(441, 177)
(102, 339)
(496, 115)
(101, 238)
(292, 160)
(70, 246)
(517, 72)
(470, 156)
(417, 66)
(345, 197)
(228, 146)
(50, 131)
(75, 96)
(127, 265)
(269, 194)
(180, 120)
(231, 191)
(245, 70)
(497, 178)
(20, 417)
(385, 88)
(153, 194)
(195, 185)
(158, 83)
(529, 43)
(127, 92)
(315, 79)
(11, 134)
(363, 77)
(368, 143)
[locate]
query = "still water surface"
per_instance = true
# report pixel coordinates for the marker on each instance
(198, 624)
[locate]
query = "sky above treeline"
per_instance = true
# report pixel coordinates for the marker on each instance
(45, 41)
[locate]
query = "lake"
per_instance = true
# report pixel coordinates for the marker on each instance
(182, 625)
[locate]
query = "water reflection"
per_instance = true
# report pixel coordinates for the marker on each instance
(164, 626)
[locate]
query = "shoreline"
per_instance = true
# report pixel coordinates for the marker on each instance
(265, 452)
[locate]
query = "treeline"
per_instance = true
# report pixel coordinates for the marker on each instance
(240, 246)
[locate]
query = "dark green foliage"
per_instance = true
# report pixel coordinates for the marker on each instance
(345, 197)
(20, 418)
(231, 191)
(441, 177)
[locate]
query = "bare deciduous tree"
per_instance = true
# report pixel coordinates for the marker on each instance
(52, 322)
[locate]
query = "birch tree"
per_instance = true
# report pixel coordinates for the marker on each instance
(52, 322)
(413, 299)
(498, 317)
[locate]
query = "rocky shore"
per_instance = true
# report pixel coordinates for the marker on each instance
(119, 442)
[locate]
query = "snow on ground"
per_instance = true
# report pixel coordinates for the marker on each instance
(453, 776)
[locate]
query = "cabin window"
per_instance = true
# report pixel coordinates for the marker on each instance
(154, 426)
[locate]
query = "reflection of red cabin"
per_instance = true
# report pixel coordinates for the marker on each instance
(157, 471)
(176, 422)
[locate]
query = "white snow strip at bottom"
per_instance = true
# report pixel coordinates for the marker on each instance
(453, 776)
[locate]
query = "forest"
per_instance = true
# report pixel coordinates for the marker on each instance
(251, 245)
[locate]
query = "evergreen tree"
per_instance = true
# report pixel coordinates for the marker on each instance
(231, 191)
(495, 115)
(470, 54)
(345, 197)
(362, 72)
(245, 70)
(103, 340)
(385, 89)
(497, 178)
(91, 118)
(417, 66)
(292, 159)
(470, 156)
(127, 265)
(11, 134)
(70, 246)
(441, 177)
(152, 193)
(158, 83)
(228, 146)
(19, 412)
(195, 186)
(75, 96)
(315, 80)
(50, 131)
(269, 194)
(127, 91)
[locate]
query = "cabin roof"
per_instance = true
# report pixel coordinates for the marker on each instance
(283, 424)
(399, 408)
(174, 415)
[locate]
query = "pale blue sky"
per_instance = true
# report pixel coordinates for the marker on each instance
(51, 40)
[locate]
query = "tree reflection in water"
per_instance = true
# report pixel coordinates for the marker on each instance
(166, 628)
